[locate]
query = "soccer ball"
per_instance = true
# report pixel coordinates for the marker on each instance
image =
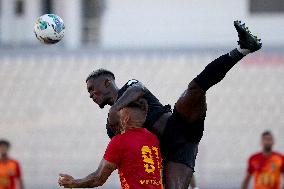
(49, 28)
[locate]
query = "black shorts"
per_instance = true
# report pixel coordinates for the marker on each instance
(180, 139)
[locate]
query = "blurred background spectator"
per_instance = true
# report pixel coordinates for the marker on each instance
(266, 167)
(10, 172)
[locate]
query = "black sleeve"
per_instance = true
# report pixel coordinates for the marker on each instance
(125, 87)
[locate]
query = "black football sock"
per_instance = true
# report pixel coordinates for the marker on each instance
(216, 70)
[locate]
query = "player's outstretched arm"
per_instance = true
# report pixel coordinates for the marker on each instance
(283, 176)
(21, 183)
(98, 178)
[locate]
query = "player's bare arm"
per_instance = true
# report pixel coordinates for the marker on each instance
(283, 178)
(133, 93)
(245, 183)
(98, 178)
(21, 184)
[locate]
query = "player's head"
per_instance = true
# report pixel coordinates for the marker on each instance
(134, 114)
(267, 141)
(4, 148)
(101, 87)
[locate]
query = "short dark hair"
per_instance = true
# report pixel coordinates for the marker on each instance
(140, 104)
(99, 72)
(267, 132)
(5, 143)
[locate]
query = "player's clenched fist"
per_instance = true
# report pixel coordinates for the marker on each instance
(66, 180)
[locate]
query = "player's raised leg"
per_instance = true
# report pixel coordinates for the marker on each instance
(192, 102)
(190, 110)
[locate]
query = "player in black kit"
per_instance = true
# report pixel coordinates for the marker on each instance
(181, 130)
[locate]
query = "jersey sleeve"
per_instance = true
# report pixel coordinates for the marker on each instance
(114, 151)
(250, 168)
(18, 170)
(125, 87)
(131, 82)
(282, 168)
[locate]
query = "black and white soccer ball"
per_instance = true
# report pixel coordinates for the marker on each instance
(49, 28)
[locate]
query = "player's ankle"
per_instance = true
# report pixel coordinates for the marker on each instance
(236, 55)
(243, 51)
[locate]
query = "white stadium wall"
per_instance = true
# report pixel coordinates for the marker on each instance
(18, 30)
(148, 23)
(184, 23)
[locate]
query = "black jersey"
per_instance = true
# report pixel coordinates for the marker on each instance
(155, 108)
